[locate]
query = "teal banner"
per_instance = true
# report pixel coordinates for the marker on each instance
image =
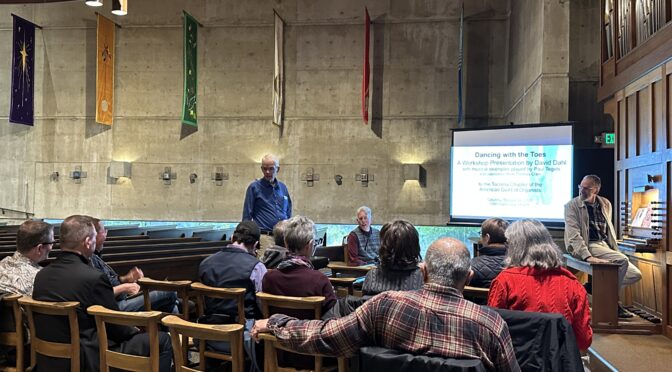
(189, 100)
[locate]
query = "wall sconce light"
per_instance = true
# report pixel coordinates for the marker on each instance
(193, 177)
(54, 176)
(219, 176)
(78, 174)
(339, 179)
(415, 172)
(94, 2)
(119, 169)
(167, 175)
(120, 7)
(310, 177)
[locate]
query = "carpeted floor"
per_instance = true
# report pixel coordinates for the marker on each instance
(635, 353)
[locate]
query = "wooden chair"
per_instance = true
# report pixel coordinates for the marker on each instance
(53, 349)
(181, 287)
(181, 329)
(147, 319)
(343, 286)
(271, 345)
(14, 338)
(476, 293)
(201, 291)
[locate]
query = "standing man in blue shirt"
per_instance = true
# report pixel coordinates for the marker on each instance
(267, 202)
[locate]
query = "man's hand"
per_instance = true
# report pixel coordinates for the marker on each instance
(131, 288)
(133, 275)
(592, 259)
(260, 326)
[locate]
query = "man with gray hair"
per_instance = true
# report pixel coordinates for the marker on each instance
(435, 320)
(267, 202)
(364, 240)
(590, 235)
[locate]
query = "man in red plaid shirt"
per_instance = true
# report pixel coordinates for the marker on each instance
(433, 321)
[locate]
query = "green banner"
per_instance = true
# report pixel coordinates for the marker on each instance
(190, 70)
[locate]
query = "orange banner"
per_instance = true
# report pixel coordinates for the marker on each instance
(105, 71)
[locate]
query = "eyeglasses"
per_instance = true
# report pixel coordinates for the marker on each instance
(585, 188)
(268, 169)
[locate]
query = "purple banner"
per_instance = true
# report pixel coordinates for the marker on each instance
(23, 72)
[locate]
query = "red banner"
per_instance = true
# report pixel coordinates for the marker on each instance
(367, 69)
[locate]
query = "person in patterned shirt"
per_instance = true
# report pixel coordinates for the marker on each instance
(34, 241)
(435, 320)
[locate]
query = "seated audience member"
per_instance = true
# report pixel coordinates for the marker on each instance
(490, 260)
(235, 266)
(535, 280)
(34, 241)
(71, 278)
(435, 320)
(125, 287)
(276, 253)
(295, 276)
(399, 258)
(363, 241)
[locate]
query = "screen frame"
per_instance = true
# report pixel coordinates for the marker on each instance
(461, 220)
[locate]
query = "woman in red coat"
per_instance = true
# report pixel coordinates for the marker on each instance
(535, 280)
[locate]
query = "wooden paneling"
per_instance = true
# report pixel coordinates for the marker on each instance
(631, 125)
(622, 133)
(659, 141)
(644, 125)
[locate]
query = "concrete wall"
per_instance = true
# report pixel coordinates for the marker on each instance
(538, 62)
(414, 83)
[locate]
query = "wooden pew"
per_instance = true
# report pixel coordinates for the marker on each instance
(169, 268)
(183, 232)
(137, 230)
(213, 235)
(605, 289)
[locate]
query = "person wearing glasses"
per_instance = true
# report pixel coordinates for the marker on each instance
(363, 241)
(590, 235)
(34, 241)
(267, 202)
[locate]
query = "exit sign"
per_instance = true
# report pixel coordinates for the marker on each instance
(609, 138)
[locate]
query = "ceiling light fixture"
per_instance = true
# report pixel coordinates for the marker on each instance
(94, 2)
(120, 7)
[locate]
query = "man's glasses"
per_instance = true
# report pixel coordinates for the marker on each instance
(268, 169)
(585, 188)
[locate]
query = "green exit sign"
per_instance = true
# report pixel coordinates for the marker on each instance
(609, 138)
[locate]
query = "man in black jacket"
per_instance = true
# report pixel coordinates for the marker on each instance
(71, 278)
(490, 260)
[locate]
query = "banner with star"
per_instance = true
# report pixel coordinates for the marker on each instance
(21, 110)
(105, 71)
(189, 107)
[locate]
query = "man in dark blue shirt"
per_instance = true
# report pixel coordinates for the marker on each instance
(267, 202)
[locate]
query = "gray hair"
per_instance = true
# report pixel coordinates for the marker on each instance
(75, 229)
(299, 231)
(271, 157)
(447, 262)
(279, 233)
(530, 244)
(366, 210)
(595, 179)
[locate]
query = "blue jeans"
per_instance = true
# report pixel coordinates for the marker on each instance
(160, 300)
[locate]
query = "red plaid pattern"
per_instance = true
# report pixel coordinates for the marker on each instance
(435, 321)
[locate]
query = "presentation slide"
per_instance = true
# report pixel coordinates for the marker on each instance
(511, 181)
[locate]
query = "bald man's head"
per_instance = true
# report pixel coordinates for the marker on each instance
(447, 262)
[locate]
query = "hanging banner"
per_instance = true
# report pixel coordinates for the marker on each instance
(105, 71)
(189, 100)
(367, 68)
(278, 72)
(21, 109)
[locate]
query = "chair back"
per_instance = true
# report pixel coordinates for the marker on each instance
(542, 341)
(147, 319)
(201, 291)
(38, 345)
(181, 329)
(373, 358)
(270, 304)
(180, 286)
(11, 329)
